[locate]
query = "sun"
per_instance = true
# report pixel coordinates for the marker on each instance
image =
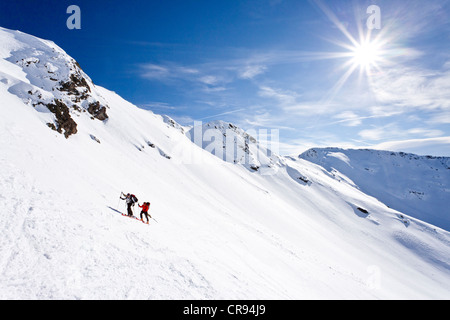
(366, 55)
(368, 50)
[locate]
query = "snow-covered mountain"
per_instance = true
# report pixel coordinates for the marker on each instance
(416, 185)
(234, 145)
(222, 231)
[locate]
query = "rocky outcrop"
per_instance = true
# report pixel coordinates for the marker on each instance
(63, 119)
(56, 82)
(97, 111)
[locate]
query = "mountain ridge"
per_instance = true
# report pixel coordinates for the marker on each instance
(416, 185)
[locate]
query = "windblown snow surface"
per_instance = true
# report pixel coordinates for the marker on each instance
(223, 230)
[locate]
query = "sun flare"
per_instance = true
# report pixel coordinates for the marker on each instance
(366, 55)
(367, 52)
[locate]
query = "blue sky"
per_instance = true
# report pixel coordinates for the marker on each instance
(268, 64)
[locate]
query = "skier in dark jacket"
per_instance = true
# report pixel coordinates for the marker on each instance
(130, 200)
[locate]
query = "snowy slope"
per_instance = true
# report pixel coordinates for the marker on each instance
(416, 185)
(224, 231)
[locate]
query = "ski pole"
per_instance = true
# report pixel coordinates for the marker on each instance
(118, 202)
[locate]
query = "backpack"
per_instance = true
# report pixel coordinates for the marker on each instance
(145, 206)
(133, 199)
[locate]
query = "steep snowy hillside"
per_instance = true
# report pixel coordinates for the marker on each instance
(222, 229)
(416, 185)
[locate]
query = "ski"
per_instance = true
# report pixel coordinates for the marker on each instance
(135, 218)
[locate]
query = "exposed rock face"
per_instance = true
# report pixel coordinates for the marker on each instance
(63, 119)
(55, 82)
(97, 111)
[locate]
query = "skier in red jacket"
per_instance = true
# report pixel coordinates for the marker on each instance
(145, 206)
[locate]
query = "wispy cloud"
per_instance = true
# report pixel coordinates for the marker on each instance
(249, 72)
(393, 131)
(413, 88)
(292, 103)
(283, 96)
(379, 133)
(215, 116)
(153, 71)
(208, 78)
(247, 65)
(440, 118)
(349, 118)
(157, 105)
